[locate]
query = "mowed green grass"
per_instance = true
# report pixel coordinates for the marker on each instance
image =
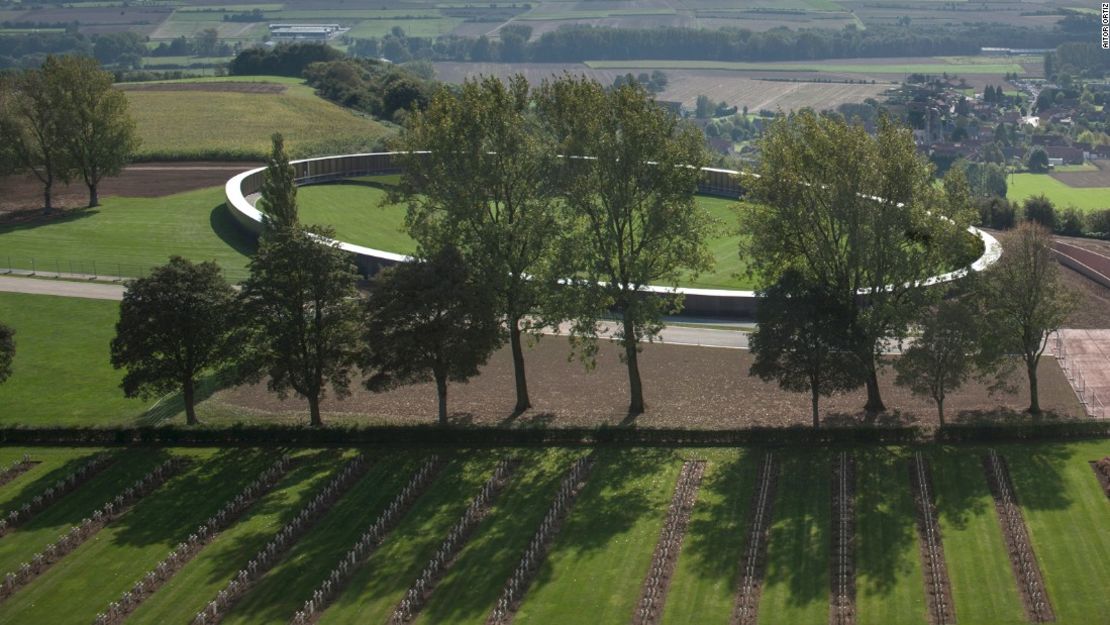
(354, 208)
(225, 124)
(76, 588)
(1066, 513)
(1022, 186)
(53, 465)
(598, 561)
(198, 582)
(61, 374)
(127, 236)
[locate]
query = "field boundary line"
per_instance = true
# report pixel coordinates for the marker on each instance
(1023, 560)
(368, 543)
(184, 552)
(657, 582)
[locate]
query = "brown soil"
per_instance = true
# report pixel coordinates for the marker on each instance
(842, 561)
(1087, 179)
(1093, 311)
(938, 587)
(23, 194)
(216, 87)
(686, 387)
(753, 563)
(1030, 579)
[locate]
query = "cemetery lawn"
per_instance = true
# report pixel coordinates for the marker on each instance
(102, 568)
(598, 560)
(127, 236)
(53, 465)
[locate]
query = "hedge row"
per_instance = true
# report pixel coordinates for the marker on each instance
(431, 436)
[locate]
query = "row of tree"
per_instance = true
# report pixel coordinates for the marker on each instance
(64, 121)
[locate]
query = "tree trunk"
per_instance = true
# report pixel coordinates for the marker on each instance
(1034, 396)
(635, 387)
(94, 196)
(874, 403)
(314, 411)
(522, 401)
(47, 198)
(188, 394)
(940, 410)
(441, 394)
(814, 401)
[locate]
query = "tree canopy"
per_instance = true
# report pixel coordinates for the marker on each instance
(7, 351)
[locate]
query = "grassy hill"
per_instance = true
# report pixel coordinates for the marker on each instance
(232, 118)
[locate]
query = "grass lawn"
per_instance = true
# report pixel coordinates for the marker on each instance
(284, 589)
(704, 583)
(61, 374)
(128, 236)
(471, 587)
(796, 584)
(354, 209)
(54, 464)
(1022, 186)
(602, 553)
(890, 589)
(1001, 67)
(56, 519)
(380, 583)
(198, 582)
(230, 125)
(103, 568)
(983, 586)
(1066, 513)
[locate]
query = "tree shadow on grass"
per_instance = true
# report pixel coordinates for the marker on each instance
(1037, 472)
(798, 544)
(718, 531)
(31, 219)
(886, 521)
(173, 404)
(174, 509)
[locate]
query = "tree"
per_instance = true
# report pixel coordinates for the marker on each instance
(278, 201)
(484, 186)
(1039, 209)
(1038, 161)
(206, 41)
(428, 320)
(7, 351)
(630, 216)
(33, 123)
(942, 358)
(705, 107)
(1025, 300)
(174, 325)
(98, 133)
(801, 340)
(301, 293)
(858, 215)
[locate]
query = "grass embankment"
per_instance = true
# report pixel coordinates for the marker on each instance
(128, 236)
(61, 374)
(76, 588)
(598, 561)
(354, 208)
(198, 582)
(197, 124)
(1022, 186)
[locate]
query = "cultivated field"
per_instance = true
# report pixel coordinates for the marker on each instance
(599, 523)
(233, 118)
(1085, 198)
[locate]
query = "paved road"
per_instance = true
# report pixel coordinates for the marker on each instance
(63, 288)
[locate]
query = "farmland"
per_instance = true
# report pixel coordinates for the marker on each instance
(602, 543)
(1022, 186)
(234, 118)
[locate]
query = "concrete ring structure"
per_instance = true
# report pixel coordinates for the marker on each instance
(242, 192)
